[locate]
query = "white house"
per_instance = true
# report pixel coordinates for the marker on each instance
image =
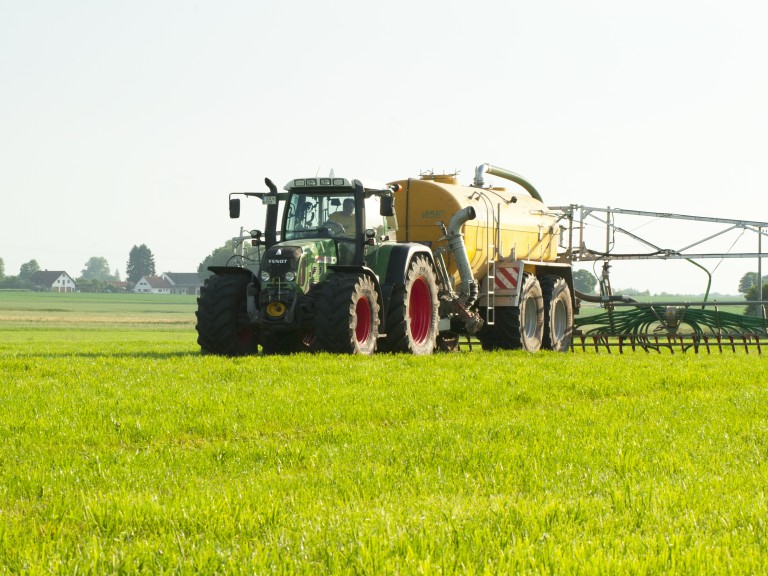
(183, 282)
(153, 285)
(53, 281)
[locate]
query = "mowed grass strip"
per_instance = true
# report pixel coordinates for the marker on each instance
(129, 452)
(82, 311)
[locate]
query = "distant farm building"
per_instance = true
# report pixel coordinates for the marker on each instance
(153, 285)
(184, 282)
(53, 281)
(169, 283)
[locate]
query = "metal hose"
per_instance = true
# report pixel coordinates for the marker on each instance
(459, 251)
(507, 175)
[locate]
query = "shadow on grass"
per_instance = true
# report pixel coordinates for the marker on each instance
(138, 354)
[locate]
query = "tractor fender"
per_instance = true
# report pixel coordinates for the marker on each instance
(399, 258)
(223, 270)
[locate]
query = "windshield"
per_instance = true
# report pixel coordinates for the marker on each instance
(332, 214)
(309, 215)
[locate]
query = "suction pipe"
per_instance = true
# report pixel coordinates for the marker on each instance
(507, 175)
(459, 251)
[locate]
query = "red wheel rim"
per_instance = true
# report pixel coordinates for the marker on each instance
(364, 320)
(420, 310)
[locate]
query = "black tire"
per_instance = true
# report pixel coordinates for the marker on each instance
(501, 334)
(517, 327)
(413, 315)
(530, 313)
(347, 318)
(558, 314)
(487, 334)
(222, 317)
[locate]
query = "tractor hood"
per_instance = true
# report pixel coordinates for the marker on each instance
(298, 262)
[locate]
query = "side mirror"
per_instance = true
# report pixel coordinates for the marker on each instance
(234, 207)
(387, 206)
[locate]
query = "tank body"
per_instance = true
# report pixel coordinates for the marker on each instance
(509, 225)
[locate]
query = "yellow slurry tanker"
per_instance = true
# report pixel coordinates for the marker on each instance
(495, 250)
(407, 267)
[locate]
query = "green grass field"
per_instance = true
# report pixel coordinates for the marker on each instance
(125, 451)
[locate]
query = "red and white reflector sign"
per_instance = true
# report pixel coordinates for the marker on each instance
(506, 278)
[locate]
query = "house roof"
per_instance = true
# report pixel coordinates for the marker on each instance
(157, 282)
(183, 278)
(47, 277)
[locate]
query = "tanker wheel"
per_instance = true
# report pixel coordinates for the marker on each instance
(347, 318)
(558, 314)
(222, 317)
(517, 327)
(412, 319)
(530, 313)
(501, 335)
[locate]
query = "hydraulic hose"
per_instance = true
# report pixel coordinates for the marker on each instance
(599, 299)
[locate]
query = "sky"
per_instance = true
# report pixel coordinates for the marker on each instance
(127, 123)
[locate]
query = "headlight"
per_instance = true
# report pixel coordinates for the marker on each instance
(264, 276)
(289, 276)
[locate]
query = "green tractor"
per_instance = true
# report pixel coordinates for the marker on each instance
(335, 280)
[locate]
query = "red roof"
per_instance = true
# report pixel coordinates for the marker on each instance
(157, 282)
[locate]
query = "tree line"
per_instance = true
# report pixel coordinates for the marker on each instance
(96, 276)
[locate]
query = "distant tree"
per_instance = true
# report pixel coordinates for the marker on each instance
(28, 269)
(15, 283)
(97, 268)
(2, 269)
(222, 256)
(584, 281)
(753, 294)
(116, 275)
(92, 285)
(141, 262)
(219, 257)
(633, 292)
(748, 281)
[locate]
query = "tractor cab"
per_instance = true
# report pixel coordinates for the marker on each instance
(349, 214)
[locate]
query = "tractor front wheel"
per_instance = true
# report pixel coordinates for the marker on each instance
(222, 317)
(347, 318)
(412, 319)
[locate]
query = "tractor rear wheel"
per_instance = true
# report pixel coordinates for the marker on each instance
(347, 318)
(222, 317)
(412, 318)
(558, 314)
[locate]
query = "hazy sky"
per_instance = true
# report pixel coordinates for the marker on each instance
(125, 123)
